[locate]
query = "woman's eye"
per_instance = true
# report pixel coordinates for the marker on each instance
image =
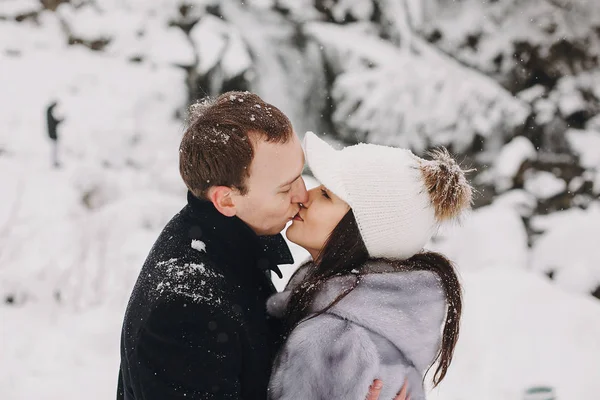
(324, 193)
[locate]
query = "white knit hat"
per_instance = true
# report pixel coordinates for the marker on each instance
(398, 199)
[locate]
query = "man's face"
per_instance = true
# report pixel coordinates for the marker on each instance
(275, 186)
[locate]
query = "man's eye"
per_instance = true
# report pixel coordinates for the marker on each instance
(324, 193)
(286, 191)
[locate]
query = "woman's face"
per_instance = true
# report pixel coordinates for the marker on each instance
(316, 220)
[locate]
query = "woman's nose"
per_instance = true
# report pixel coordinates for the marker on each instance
(310, 197)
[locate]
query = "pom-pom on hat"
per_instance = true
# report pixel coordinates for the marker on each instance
(398, 199)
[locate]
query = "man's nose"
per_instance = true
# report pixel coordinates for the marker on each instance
(301, 195)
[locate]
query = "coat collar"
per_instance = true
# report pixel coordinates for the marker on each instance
(238, 239)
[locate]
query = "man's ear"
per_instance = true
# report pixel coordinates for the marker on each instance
(221, 197)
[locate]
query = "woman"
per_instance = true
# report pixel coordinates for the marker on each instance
(371, 304)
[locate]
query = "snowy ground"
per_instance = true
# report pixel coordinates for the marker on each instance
(72, 239)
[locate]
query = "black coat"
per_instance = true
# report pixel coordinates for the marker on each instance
(196, 325)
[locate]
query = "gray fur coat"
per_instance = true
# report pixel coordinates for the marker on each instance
(389, 327)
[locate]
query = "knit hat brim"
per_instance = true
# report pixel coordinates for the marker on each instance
(325, 163)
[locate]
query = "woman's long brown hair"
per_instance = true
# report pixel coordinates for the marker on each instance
(344, 252)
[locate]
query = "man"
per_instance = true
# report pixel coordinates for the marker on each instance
(52, 122)
(196, 325)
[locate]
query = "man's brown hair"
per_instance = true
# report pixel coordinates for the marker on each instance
(216, 149)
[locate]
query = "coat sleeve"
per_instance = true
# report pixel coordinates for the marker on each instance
(325, 358)
(187, 351)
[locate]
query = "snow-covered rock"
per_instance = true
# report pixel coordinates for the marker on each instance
(168, 45)
(585, 144)
(522, 202)
(571, 103)
(545, 111)
(212, 37)
(593, 124)
(575, 184)
(569, 98)
(532, 94)
(543, 184)
(509, 161)
(86, 22)
(27, 37)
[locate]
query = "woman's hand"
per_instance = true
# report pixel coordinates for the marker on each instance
(376, 387)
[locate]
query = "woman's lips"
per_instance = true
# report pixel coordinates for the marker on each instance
(297, 217)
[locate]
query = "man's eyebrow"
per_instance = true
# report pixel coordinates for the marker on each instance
(291, 181)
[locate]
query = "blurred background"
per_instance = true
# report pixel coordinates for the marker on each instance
(93, 98)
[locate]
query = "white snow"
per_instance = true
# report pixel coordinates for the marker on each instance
(510, 159)
(568, 96)
(569, 248)
(50, 352)
(490, 237)
(168, 45)
(209, 36)
(593, 124)
(360, 10)
(90, 258)
(585, 144)
(27, 38)
(576, 184)
(12, 8)
(198, 245)
(218, 43)
(522, 202)
(571, 103)
(518, 331)
(543, 184)
(596, 184)
(545, 110)
(531, 94)
(86, 23)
